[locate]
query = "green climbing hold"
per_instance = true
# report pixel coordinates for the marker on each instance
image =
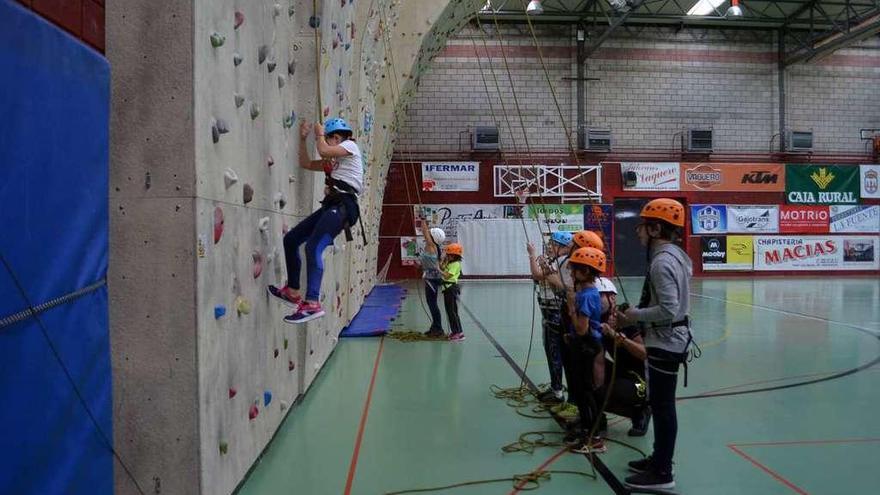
(285, 343)
(224, 448)
(217, 40)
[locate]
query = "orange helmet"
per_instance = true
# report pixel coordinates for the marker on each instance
(454, 248)
(588, 238)
(668, 210)
(588, 256)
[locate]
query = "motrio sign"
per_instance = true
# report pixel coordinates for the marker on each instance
(821, 184)
(803, 219)
(766, 177)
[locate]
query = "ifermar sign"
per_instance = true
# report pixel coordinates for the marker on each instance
(821, 184)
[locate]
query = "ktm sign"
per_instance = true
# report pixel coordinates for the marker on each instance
(740, 177)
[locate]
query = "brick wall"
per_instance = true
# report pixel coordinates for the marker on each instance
(653, 83)
(83, 19)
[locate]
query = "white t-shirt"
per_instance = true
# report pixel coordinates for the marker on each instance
(349, 168)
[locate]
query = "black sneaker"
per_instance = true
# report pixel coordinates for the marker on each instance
(575, 437)
(641, 465)
(551, 396)
(650, 480)
(640, 423)
(434, 333)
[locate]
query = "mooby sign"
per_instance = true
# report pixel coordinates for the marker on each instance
(767, 177)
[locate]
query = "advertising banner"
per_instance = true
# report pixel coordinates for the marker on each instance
(450, 176)
(802, 219)
(751, 177)
(821, 184)
(708, 219)
(409, 250)
(652, 176)
(567, 218)
(599, 218)
(733, 252)
(745, 219)
(862, 219)
(447, 216)
(870, 181)
(809, 253)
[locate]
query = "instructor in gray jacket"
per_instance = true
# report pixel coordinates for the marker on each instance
(663, 314)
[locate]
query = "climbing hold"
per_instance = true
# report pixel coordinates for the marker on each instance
(314, 22)
(271, 256)
(279, 198)
(291, 179)
(248, 193)
(239, 20)
(270, 161)
(262, 53)
(222, 126)
(290, 366)
(239, 100)
(242, 305)
(264, 224)
(287, 121)
(230, 177)
(218, 224)
(258, 263)
(232, 392)
(335, 43)
(285, 343)
(326, 111)
(215, 134)
(284, 405)
(291, 68)
(224, 447)
(271, 65)
(276, 353)
(267, 398)
(219, 312)
(281, 81)
(217, 40)
(255, 111)
(253, 412)
(277, 10)
(237, 59)
(291, 10)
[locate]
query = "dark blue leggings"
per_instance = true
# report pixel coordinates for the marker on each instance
(317, 231)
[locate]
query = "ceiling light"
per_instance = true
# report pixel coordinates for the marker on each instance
(735, 10)
(486, 8)
(704, 7)
(535, 8)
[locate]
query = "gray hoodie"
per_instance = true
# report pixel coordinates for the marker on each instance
(670, 271)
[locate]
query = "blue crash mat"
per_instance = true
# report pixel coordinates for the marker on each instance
(380, 307)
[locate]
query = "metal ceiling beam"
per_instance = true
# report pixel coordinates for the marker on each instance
(858, 31)
(611, 28)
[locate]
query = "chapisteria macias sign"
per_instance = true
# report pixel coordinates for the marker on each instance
(821, 184)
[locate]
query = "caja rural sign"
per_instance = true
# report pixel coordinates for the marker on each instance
(732, 177)
(821, 184)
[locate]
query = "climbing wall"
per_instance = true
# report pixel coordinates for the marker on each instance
(208, 196)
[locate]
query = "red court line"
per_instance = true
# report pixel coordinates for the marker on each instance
(807, 442)
(357, 444)
(768, 470)
(549, 461)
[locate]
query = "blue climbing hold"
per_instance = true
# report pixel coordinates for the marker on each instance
(267, 398)
(219, 312)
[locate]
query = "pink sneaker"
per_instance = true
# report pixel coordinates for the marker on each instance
(307, 311)
(456, 337)
(285, 295)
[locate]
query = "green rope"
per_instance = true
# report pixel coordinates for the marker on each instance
(412, 336)
(522, 482)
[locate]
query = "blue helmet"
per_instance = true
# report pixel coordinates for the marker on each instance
(561, 238)
(336, 125)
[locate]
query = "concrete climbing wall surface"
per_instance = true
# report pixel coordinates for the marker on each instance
(207, 181)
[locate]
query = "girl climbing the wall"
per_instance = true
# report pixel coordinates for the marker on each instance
(429, 259)
(451, 269)
(344, 175)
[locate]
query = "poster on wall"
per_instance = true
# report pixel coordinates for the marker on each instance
(600, 218)
(566, 218)
(409, 250)
(870, 181)
(708, 219)
(746, 219)
(651, 176)
(809, 253)
(447, 216)
(804, 219)
(861, 219)
(746, 177)
(450, 176)
(821, 184)
(733, 252)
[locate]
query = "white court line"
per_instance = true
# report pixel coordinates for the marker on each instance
(790, 313)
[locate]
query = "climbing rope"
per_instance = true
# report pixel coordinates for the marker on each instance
(317, 28)
(412, 336)
(522, 482)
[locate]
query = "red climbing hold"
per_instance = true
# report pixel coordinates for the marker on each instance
(253, 412)
(258, 264)
(218, 224)
(232, 392)
(239, 20)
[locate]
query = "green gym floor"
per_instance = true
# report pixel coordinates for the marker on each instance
(783, 400)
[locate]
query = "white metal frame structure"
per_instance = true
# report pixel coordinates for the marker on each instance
(567, 182)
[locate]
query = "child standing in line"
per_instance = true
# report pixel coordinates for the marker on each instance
(451, 269)
(584, 340)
